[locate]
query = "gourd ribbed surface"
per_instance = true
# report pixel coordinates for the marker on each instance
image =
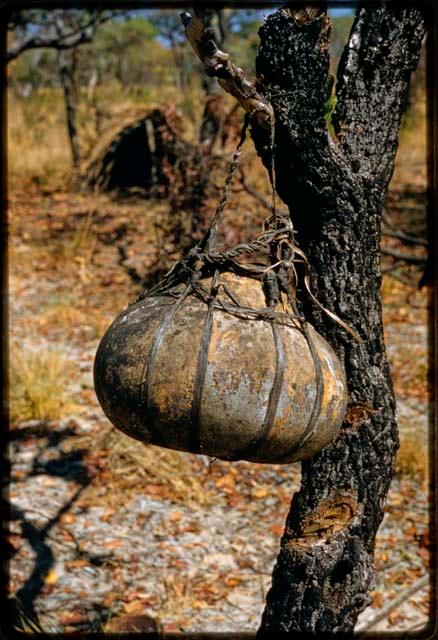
(184, 375)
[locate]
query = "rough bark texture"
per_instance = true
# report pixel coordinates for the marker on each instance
(335, 192)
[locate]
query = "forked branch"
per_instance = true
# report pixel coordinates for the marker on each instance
(217, 64)
(55, 33)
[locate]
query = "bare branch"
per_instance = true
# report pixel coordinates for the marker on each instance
(61, 40)
(257, 195)
(401, 235)
(406, 257)
(253, 192)
(218, 64)
(421, 583)
(52, 42)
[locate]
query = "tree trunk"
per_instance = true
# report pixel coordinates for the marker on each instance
(335, 191)
(66, 76)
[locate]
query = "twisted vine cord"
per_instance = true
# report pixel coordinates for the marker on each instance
(276, 239)
(198, 274)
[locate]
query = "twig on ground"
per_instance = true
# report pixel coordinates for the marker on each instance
(406, 257)
(409, 239)
(393, 604)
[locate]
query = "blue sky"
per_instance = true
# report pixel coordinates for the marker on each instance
(337, 12)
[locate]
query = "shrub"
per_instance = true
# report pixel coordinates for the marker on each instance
(38, 385)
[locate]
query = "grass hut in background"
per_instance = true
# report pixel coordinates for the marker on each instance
(141, 151)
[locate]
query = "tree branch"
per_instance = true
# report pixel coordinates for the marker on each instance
(321, 582)
(325, 566)
(59, 40)
(409, 258)
(374, 72)
(45, 41)
(265, 202)
(217, 64)
(253, 192)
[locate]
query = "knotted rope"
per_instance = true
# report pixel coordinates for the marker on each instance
(276, 239)
(203, 263)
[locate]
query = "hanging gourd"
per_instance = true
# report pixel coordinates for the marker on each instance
(216, 359)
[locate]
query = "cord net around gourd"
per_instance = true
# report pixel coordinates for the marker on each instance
(276, 244)
(151, 401)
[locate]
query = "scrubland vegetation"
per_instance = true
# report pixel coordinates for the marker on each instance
(76, 258)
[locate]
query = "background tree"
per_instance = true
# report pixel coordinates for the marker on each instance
(63, 30)
(125, 50)
(335, 190)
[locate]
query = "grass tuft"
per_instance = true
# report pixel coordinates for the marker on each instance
(131, 463)
(412, 457)
(38, 385)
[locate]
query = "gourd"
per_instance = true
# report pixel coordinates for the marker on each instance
(217, 359)
(188, 375)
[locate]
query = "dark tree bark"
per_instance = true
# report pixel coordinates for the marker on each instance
(335, 191)
(65, 68)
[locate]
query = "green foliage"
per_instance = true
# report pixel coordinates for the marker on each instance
(126, 50)
(35, 68)
(142, 56)
(243, 46)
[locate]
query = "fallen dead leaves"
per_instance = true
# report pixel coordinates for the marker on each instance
(377, 599)
(73, 618)
(276, 529)
(216, 580)
(76, 564)
(227, 483)
(175, 516)
(51, 577)
(135, 622)
(170, 570)
(113, 544)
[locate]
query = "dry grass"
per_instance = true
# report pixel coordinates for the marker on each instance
(73, 256)
(83, 242)
(38, 146)
(38, 385)
(27, 625)
(131, 462)
(178, 600)
(65, 316)
(412, 457)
